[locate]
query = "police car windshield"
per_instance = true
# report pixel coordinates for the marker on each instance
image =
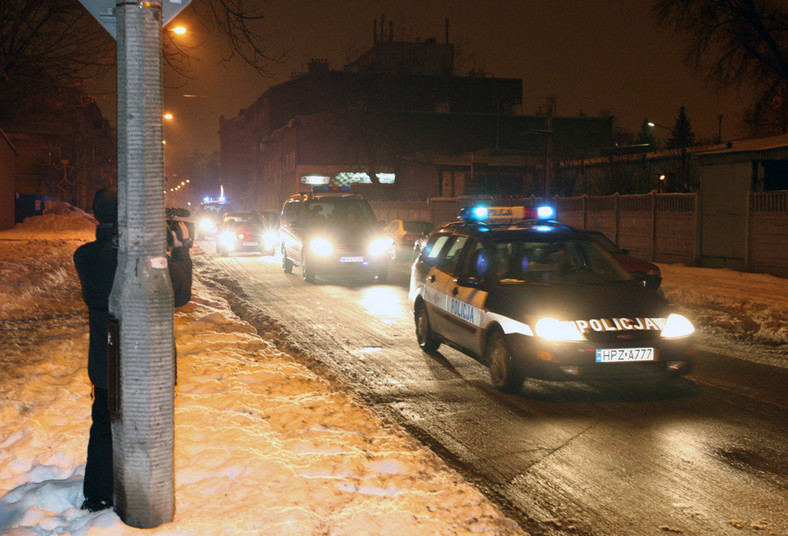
(339, 211)
(570, 261)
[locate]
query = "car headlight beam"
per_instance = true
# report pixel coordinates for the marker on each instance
(380, 246)
(227, 240)
(557, 330)
(207, 224)
(677, 326)
(321, 247)
(270, 238)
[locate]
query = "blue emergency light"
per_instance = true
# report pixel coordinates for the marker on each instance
(544, 212)
(331, 188)
(478, 213)
(501, 214)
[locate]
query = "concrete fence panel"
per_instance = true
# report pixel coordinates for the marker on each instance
(768, 233)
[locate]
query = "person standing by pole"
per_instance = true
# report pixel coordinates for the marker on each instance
(96, 263)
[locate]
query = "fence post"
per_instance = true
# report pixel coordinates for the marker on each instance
(653, 195)
(617, 208)
(747, 225)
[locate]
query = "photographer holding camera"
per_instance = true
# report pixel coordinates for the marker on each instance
(96, 263)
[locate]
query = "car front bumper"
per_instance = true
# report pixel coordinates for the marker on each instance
(578, 360)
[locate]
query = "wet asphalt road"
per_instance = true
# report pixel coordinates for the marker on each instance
(706, 455)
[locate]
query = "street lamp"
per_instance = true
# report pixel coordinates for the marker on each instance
(652, 125)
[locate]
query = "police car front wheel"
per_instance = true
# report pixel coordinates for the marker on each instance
(504, 374)
(287, 264)
(424, 334)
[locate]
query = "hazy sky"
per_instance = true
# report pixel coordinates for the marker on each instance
(591, 55)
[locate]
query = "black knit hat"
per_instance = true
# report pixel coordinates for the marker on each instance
(105, 205)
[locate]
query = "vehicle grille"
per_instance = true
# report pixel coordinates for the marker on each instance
(622, 337)
(349, 250)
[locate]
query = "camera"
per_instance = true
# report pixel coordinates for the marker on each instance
(177, 222)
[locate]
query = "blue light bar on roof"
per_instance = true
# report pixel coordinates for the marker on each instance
(506, 214)
(477, 213)
(330, 188)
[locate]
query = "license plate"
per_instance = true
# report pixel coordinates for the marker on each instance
(619, 355)
(351, 259)
(249, 244)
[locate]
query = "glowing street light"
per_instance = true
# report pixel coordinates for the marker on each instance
(180, 30)
(652, 125)
(168, 116)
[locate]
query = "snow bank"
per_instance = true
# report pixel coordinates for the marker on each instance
(263, 445)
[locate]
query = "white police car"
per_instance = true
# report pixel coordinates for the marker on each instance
(534, 297)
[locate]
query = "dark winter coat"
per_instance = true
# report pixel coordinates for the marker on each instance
(96, 263)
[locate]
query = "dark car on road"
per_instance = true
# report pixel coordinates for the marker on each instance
(537, 298)
(646, 271)
(333, 232)
(404, 234)
(244, 232)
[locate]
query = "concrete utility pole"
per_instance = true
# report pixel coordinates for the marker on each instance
(142, 298)
(142, 362)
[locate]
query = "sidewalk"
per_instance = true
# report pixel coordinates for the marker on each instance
(263, 444)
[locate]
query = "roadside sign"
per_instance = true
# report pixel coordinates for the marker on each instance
(104, 12)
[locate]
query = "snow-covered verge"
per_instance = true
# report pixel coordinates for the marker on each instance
(739, 314)
(263, 444)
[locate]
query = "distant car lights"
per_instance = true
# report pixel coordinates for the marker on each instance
(227, 240)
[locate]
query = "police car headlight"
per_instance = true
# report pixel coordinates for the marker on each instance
(270, 238)
(207, 224)
(321, 247)
(677, 326)
(380, 246)
(557, 330)
(227, 239)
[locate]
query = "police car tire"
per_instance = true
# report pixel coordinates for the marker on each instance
(306, 270)
(287, 264)
(503, 373)
(424, 334)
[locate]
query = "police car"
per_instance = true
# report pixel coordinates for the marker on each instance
(332, 231)
(529, 296)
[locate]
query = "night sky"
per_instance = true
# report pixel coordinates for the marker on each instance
(590, 55)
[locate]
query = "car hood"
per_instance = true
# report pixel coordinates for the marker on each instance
(345, 233)
(633, 264)
(627, 299)
(246, 229)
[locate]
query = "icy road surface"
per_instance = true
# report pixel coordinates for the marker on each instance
(707, 455)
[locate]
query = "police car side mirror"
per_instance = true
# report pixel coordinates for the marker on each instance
(469, 281)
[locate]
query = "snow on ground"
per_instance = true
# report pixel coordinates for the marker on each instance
(738, 314)
(264, 445)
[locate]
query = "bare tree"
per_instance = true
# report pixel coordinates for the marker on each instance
(46, 45)
(738, 43)
(239, 21)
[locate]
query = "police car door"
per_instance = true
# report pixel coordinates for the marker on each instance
(466, 296)
(289, 232)
(438, 281)
(427, 273)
